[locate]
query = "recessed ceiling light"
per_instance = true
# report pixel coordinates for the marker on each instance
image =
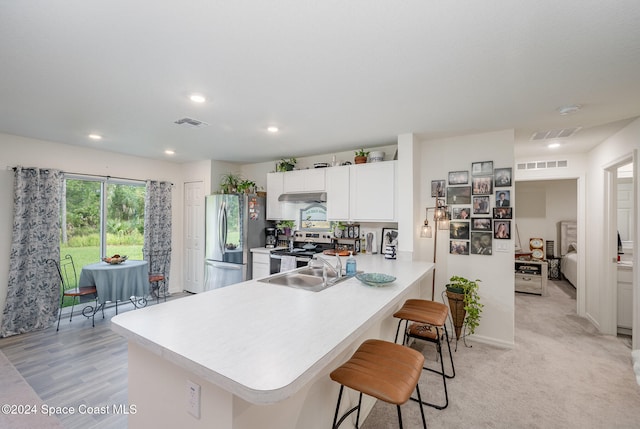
(95, 136)
(273, 129)
(553, 145)
(197, 98)
(169, 152)
(569, 109)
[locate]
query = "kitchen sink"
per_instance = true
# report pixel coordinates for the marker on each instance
(306, 278)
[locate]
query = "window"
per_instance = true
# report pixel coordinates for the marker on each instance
(101, 217)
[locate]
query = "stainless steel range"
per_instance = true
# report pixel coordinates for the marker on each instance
(303, 246)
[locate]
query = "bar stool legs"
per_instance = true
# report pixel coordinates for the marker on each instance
(429, 319)
(387, 371)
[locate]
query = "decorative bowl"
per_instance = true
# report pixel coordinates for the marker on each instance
(375, 279)
(115, 259)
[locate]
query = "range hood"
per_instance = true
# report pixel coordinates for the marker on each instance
(304, 197)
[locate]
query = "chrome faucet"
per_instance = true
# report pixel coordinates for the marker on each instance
(337, 269)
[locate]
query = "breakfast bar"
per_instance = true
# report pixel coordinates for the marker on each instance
(258, 353)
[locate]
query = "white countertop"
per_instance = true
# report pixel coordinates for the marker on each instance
(264, 249)
(264, 342)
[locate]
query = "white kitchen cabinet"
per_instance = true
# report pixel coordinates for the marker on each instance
(372, 191)
(337, 180)
(625, 297)
(310, 180)
(275, 186)
(261, 264)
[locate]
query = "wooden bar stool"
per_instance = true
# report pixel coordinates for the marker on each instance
(426, 320)
(384, 370)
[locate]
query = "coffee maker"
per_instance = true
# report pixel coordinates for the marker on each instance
(271, 237)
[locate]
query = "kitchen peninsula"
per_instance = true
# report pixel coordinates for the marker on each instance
(261, 353)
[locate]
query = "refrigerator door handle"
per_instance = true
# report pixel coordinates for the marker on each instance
(224, 225)
(220, 228)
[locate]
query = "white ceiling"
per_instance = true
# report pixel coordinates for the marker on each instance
(333, 75)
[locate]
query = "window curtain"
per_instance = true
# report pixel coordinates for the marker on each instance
(157, 219)
(33, 291)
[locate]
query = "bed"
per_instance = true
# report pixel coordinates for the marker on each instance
(569, 251)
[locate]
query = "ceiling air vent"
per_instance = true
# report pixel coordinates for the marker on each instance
(190, 122)
(554, 134)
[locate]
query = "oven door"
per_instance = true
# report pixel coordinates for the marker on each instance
(276, 259)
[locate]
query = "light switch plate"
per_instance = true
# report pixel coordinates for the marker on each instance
(193, 399)
(503, 245)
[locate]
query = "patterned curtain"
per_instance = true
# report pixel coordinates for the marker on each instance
(33, 291)
(157, 219)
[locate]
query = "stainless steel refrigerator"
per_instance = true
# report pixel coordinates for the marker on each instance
(234, 224)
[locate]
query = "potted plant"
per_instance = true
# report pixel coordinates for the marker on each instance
(464, 303)
(361, 156)
(286, 164)
(229, 183)
(247, 186)
(286, 226)
(338, 229)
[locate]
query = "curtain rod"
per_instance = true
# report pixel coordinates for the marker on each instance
(90, 175)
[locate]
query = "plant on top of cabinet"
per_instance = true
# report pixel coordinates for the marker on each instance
(361, 156)
(229, 183)
(286, 164)
(247, 186)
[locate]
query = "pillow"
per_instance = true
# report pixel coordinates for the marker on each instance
(573, 247)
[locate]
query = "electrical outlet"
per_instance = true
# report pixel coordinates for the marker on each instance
(193, 399)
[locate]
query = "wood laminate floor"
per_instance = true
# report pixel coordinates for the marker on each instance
(77, 367)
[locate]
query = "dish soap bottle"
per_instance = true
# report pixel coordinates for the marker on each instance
(351, 265)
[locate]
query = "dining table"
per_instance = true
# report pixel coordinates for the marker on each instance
(117, 282)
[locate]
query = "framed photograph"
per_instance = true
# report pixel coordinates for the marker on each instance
(503, 213)
(482, 185)
(389, 237)
(481, 204)
(458, 195)
(463, 213)
(481, 243)
(502, 177)
(459, 230)
(502, 230)
(481, 224)
(503, 198)
(458, 177)
(484, 168)
(437, 188)
(458, 247)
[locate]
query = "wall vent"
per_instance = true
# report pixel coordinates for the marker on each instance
(190, 122)
(540, 165)
(554, 134)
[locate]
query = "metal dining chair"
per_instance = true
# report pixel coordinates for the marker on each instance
(66, 270)
(158, 261)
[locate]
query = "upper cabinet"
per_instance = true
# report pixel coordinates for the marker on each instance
(275, 186)
(310, 180)
(338, 192)
(372, 191)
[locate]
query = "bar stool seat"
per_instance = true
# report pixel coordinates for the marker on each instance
(426, 320)
(387, 371)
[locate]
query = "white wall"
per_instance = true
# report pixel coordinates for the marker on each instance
(26, 152)
(541, 205)
(438, 157)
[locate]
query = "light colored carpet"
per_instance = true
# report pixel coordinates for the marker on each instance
(561, 374)
(16, 391)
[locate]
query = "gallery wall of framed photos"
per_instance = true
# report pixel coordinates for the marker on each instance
(479, 204)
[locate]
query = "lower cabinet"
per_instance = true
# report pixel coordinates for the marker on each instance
(531, 277)
(625, 297)
(261, 265)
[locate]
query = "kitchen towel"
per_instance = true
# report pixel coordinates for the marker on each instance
(287, 263)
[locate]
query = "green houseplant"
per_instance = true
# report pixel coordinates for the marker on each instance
(361, 156)
(286, 164)
(286, 226)
(464, 303)
(229, 183)
(247, 186)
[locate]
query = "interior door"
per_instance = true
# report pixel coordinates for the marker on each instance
(194, 237)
